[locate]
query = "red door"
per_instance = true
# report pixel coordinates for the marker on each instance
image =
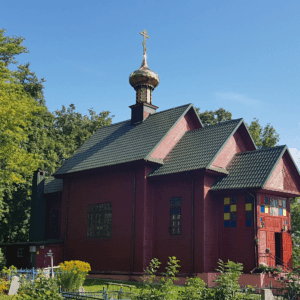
(271, 245)
(287, 248)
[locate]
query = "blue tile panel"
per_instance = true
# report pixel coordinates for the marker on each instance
(250, 169)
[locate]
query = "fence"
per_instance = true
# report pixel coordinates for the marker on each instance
(105, 294)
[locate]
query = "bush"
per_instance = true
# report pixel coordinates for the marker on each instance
(2, 260)
(42, 288)
(4, 286)
(72, 274)
(159, 289)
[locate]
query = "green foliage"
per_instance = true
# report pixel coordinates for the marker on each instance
(11, 271)
(295, 220)
(2, 260)
(211, 117)
(42, 288)
(72, 274)
(194, 289)
(262, 137)
(159, 289)
(31, 137)
(227, 281)
(290, 283)
(272, 270)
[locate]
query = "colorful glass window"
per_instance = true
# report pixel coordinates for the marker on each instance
(280, 203)
(284, 211)
(248, 199)
(233, 207)
(233, 223)
(280, 211)
(227, 216)
(226, 201)
(271, 203)
(249, 215)
(175, 216)
(226, 224)
(284, 203)
(262, 209)
(226, 208)
(249, 206)
(233, 200)
(266, 209)
(248, 223)
(266, 201)
(233, 216)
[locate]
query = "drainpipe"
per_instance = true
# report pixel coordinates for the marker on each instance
(192, 231)
(133, 222)
(66, 223)
(254, 227)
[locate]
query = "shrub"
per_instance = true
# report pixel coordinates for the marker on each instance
(42, 288)
(4, 286)
(2, 260)
(159, 289)
(193, 289)
(72, 274)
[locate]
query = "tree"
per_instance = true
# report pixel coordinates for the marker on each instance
(295, 220)
(31, 137)
(263, 137)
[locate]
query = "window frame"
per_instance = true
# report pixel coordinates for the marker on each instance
(99, 220)
(174, 209)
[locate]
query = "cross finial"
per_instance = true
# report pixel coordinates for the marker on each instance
(144, 34)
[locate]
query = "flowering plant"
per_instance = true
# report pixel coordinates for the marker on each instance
(72, 274)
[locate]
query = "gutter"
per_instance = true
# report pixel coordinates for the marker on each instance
(254, 228)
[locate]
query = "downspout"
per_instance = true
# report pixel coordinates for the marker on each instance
(133, 222)
(254, 227)
(66, 224)
(192, 231)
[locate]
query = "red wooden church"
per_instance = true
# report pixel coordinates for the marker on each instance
(162, 184)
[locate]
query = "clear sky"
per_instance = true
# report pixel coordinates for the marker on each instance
(241, 55)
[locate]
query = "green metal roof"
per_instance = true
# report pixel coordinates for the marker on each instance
(52, 185)
(250, 169)
(123, 142)
(198, 148)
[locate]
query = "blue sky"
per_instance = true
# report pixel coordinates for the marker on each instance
(243, 56)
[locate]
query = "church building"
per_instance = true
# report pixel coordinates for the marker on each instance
(161, 184)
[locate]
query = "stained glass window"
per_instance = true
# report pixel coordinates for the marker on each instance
(249, 199)
(280, 211)
(266, 201)
(175, 216)
(226, 208)
(99, 220)
(248, 223)
(233, 200)
(284, 203)
(262, 208)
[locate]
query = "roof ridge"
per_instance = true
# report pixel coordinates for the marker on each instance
(262, 149)
(170, 109)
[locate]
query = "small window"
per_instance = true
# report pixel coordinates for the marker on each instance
(20, 252)
(249, 199)
(99, 220)
(175, 216)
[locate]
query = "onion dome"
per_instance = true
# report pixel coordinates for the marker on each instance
(144, 76)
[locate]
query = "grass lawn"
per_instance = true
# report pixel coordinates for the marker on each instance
(96, 285)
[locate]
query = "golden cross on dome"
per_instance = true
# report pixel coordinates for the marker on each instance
(144, 34)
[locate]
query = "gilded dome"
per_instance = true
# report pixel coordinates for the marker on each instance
(144, 76)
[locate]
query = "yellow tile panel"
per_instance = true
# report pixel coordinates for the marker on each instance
(227, 216)
(284, 212)
(226, 200)
(233, 207)
(249, 206)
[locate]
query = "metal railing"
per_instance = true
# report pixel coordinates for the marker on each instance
(272, 261)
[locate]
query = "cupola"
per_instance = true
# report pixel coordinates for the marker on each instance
(144, 81)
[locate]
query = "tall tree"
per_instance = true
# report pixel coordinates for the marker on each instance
(31, 137)
(262, 137)
(295, 216)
